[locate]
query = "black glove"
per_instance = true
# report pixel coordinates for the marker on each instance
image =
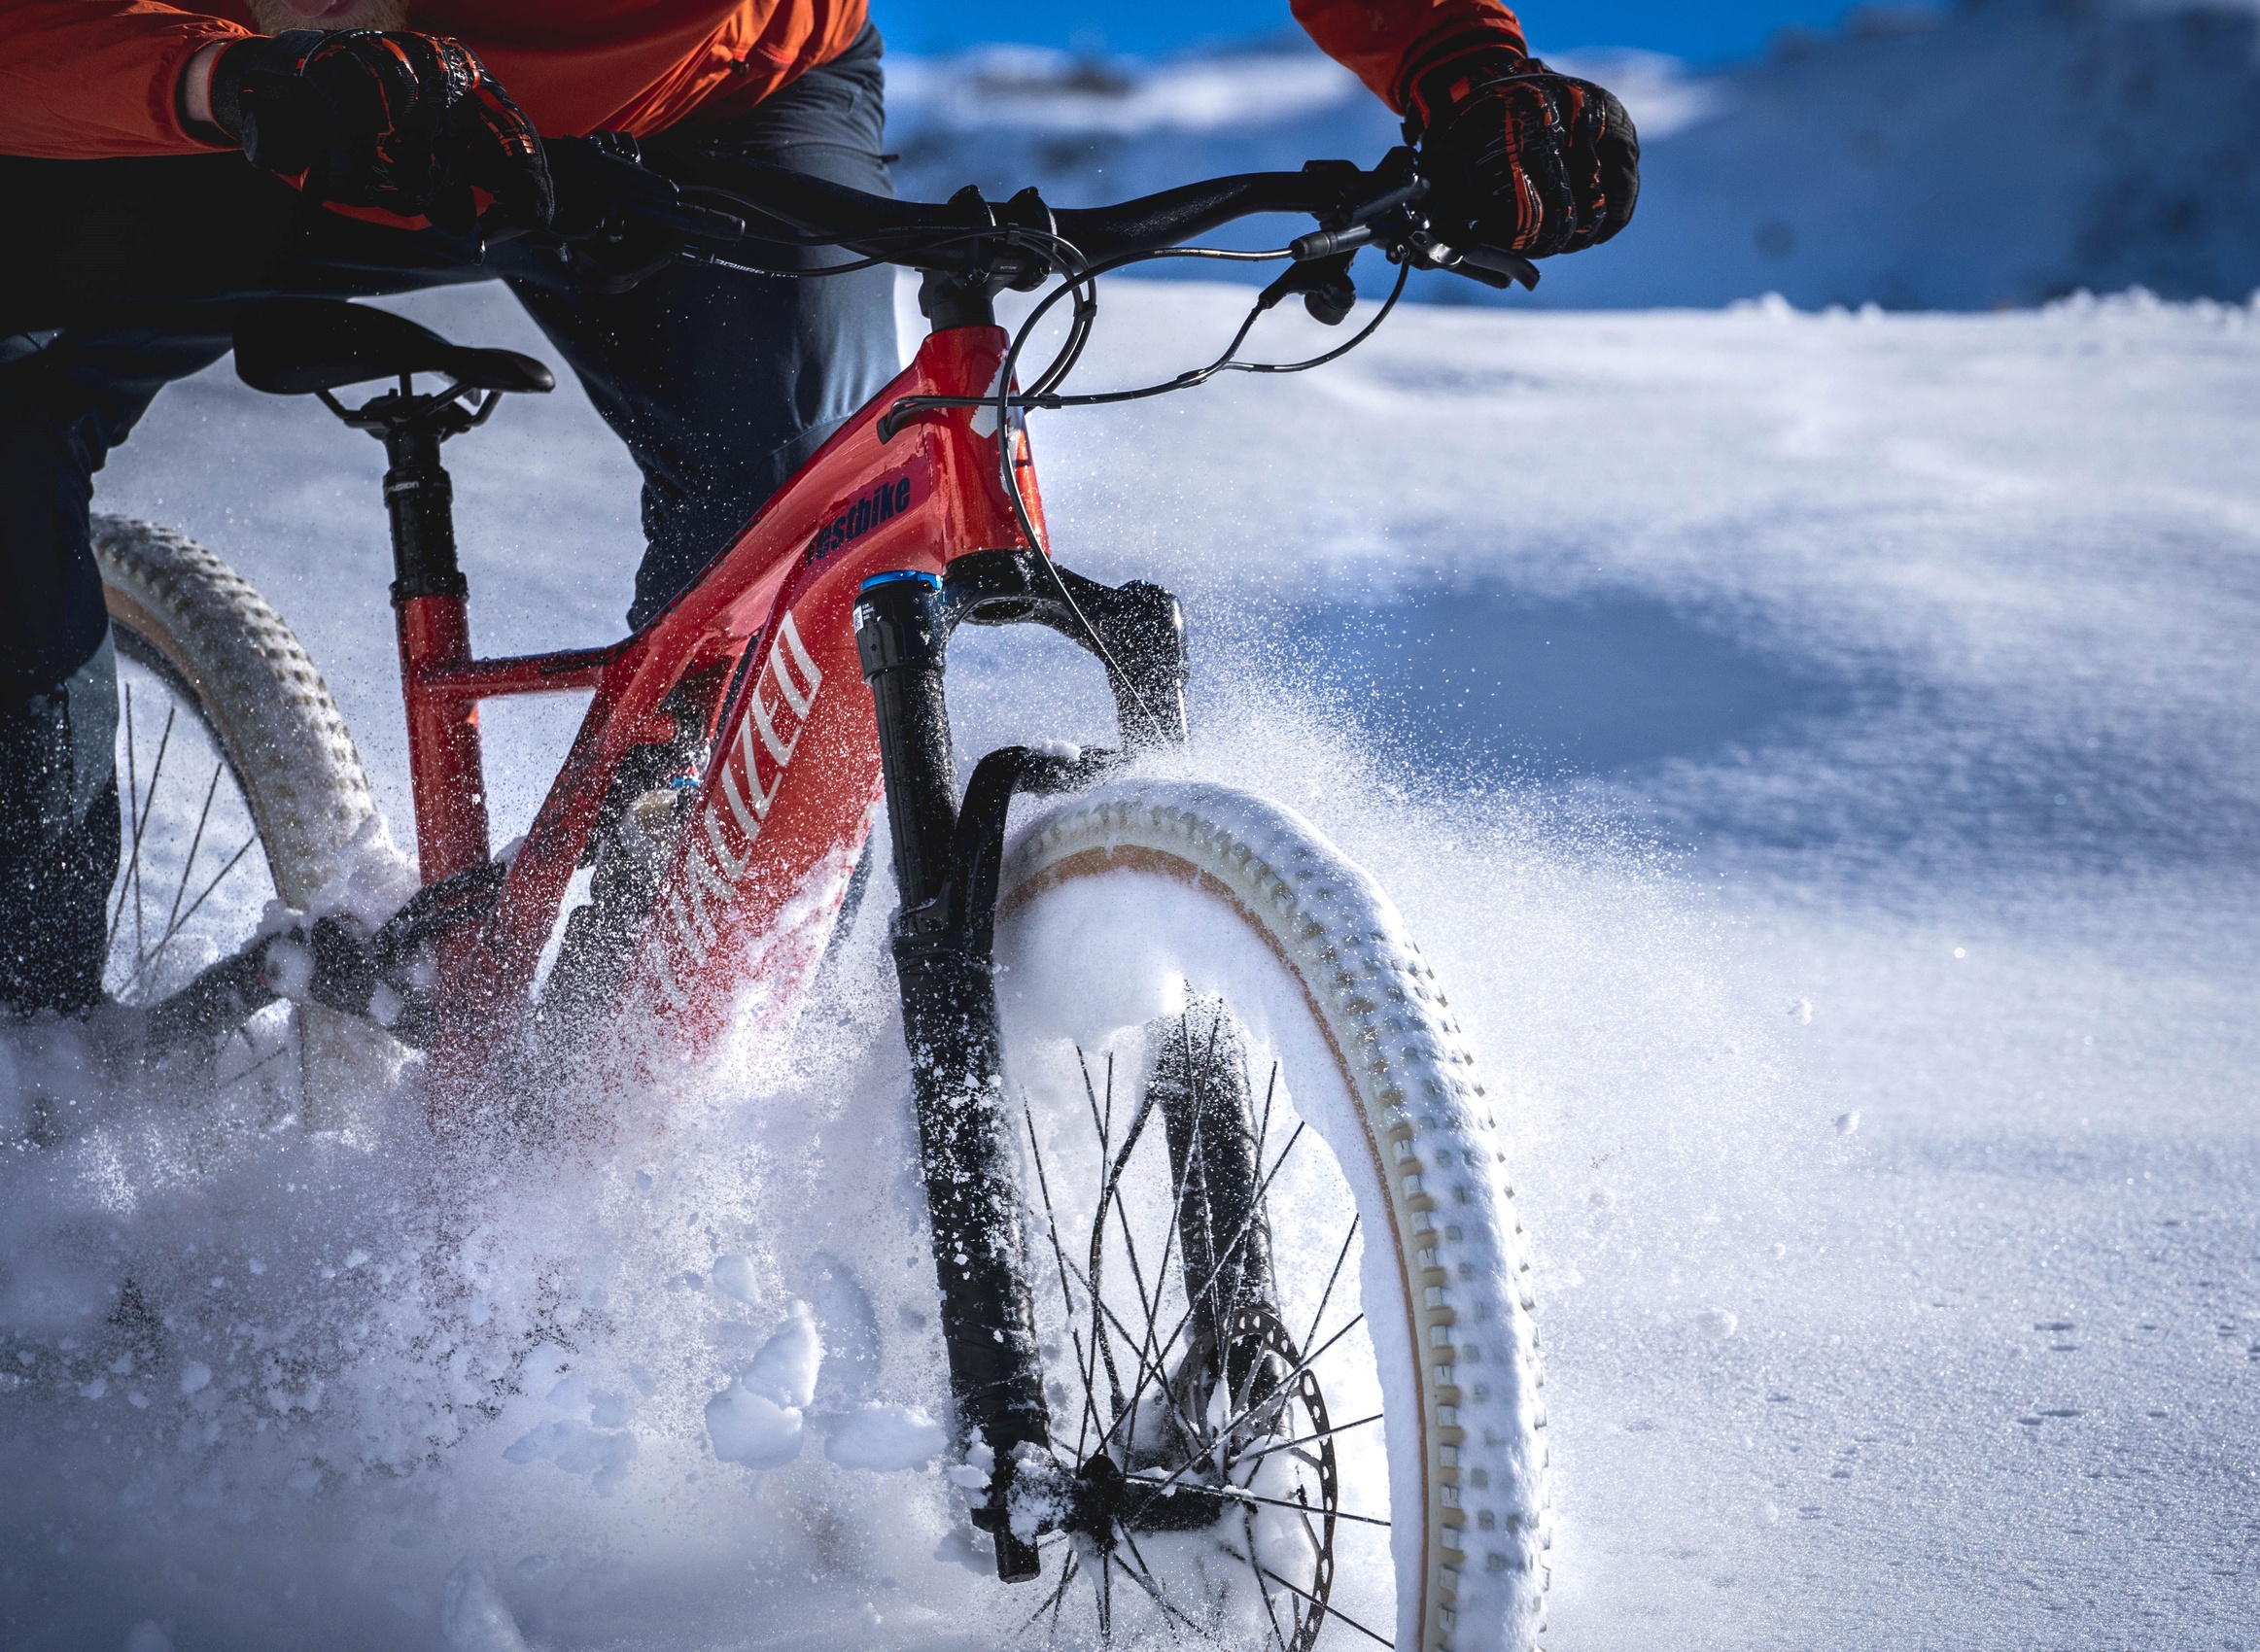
(1536, 163)
(407, 123)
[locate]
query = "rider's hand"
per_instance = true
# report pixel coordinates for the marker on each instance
(409, 124)
(1538, 163)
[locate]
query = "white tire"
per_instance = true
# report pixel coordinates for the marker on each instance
(255, 690)
(1141, 884)
(217, 649)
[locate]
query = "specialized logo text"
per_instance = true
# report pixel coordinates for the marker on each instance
(754, 766)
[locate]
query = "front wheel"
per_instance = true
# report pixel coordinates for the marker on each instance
(1289, 1360)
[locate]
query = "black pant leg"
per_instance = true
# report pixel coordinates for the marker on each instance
(60, 840)
(66, 399)
(128, 275)
(722, 384)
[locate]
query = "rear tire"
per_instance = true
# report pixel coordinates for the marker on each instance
(1138, 924)
(270, 759)
(180, 610)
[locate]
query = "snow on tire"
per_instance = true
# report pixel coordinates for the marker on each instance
(257, 689)
(1421, 1151)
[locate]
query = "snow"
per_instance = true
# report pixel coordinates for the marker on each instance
(1669, 668)
(881, 1438)
(474, 1615)
(758, 1419)
(752, 1429)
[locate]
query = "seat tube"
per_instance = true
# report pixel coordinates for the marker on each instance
(432, 616)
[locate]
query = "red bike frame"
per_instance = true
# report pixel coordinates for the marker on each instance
(790, 791)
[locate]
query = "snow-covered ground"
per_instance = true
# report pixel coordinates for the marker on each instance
(1820, 750)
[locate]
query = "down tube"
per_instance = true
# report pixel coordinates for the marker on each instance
(765, 853)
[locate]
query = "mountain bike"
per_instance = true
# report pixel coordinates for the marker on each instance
(1234, 1307)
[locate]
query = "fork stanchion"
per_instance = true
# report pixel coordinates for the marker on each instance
(949, 1009)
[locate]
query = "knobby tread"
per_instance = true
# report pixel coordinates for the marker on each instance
(1437, 1158)
(260, 695)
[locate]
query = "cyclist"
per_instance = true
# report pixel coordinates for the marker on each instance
(157, 160)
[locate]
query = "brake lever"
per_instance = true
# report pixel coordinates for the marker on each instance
(702, 224)
(609, 166)
(1493, 266)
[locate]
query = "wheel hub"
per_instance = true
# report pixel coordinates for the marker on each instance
(1103, 1501)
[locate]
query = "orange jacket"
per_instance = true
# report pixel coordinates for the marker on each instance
(81, 79)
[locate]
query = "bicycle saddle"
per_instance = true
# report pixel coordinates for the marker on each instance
(297, 346)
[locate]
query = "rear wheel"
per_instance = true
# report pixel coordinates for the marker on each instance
(1290, 1364)
(237, 775)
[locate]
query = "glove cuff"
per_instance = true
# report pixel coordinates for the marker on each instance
(264, 55)
(1445, 74)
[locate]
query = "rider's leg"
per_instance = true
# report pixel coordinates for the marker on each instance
(58, 838)
(149, 261)
(62, 407)
(723, 384)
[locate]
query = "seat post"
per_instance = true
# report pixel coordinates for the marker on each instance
(317, 346)
(431, 614)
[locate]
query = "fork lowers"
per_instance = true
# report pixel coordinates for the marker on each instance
(945, 869)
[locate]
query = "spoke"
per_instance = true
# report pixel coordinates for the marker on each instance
(1306, 1440)
(133, 820)
(148, 808)
(1286, 1390)
(1109, 1122)
(1160, 1277)
(1101, 1314)
(1240, 1494)
(1247, 1227)
(1067, 1295)
(272, 1055)
(1089, 1363)
(1264, 1595)
(1325, 1610)
(1192, 1157)
(217, 878)
(1318, 1319)
(1083, 1062)
(1264, 1127)
(1111, 1193)
(1144, 1578)
(1052, 1601)
(173, 919)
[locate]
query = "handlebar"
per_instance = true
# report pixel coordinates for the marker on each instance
(1013, 243)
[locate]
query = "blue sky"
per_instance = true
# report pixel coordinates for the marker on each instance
(1701, 30)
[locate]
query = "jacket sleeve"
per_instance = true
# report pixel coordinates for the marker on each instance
(1377, 40)
(84, 79)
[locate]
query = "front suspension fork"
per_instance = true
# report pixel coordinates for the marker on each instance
(946, 867)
